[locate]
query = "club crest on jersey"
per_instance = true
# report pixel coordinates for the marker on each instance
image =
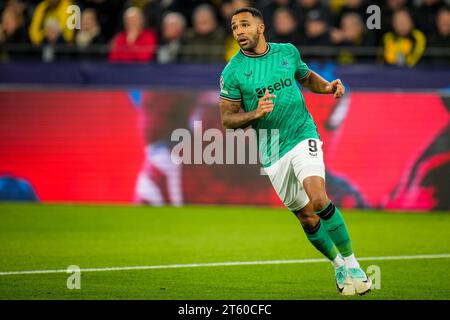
(284, 63)
(277, 86)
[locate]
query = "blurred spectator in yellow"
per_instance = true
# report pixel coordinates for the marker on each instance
(50, 9)
(316, 29)
(405, 45)
(228, 7)
(173, 26)
(135, 43)
(284, 27)
(205, 42)
(351, 34)
(89, 37)
(302, 9)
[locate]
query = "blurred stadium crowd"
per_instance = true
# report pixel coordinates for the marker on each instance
(195, 31)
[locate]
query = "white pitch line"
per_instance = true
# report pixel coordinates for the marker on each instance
(226, 264)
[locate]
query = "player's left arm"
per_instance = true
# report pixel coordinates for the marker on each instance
(317, 84)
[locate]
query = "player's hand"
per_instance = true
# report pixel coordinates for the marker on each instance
(265, 105)
(336, 88)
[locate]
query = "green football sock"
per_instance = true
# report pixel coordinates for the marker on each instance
(336, 228)
(319, 238)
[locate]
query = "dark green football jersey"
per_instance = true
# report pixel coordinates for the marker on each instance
(245, 79)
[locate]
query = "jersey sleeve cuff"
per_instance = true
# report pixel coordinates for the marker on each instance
(305, 75)
(230, 99)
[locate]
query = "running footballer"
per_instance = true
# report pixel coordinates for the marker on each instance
(262, 80)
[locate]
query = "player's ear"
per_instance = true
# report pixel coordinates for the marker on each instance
(261, 27)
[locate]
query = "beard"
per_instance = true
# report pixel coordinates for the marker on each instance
(251, 44)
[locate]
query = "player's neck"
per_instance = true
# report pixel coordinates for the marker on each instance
(259, 49)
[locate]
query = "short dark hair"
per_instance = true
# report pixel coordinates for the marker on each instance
(253, 11)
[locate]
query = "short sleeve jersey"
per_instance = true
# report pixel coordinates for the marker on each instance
(246, 77)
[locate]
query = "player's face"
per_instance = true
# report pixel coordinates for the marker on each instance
(246, 30)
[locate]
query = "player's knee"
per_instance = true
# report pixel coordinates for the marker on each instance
(309, 222)
(319, 202)
(308, 219)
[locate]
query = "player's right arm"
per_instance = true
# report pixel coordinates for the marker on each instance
(232, 118)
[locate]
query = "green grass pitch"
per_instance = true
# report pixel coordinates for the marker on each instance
(48, 237)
